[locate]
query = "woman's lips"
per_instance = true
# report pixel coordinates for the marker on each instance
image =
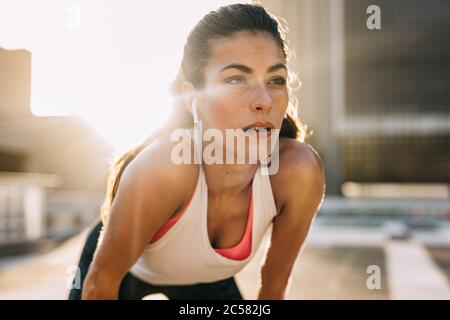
(263, 133)
(268, 125)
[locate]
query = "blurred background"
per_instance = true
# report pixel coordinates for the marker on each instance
(83, 81)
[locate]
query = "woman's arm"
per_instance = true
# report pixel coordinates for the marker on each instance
(303, 192)
(149, 193)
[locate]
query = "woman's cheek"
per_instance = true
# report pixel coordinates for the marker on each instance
(225, 113)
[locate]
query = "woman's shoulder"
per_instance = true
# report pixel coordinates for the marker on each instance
(299, 164)
(294, 153)
(158, 164)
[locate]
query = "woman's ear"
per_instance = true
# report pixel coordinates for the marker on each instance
(189, 94)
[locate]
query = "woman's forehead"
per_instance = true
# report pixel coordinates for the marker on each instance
(255, 50)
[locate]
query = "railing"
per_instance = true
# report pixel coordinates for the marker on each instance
(30, 210)
(68, 212)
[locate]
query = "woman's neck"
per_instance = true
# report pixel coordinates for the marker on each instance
(229, 179)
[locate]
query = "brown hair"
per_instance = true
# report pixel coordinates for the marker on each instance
(221, 23)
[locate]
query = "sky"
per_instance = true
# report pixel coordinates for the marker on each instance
(110, 62)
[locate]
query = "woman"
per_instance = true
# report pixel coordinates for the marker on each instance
(186, 230)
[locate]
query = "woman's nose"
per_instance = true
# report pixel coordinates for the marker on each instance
(262, 100)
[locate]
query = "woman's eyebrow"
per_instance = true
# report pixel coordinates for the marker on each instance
(276, 67)
(246, 69)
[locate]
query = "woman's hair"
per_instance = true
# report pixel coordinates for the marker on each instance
(221, 23)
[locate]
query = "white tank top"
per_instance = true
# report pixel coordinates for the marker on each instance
(184, 254)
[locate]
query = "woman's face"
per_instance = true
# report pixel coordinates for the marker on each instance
(245, 82)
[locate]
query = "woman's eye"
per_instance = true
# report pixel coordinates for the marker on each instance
(235, 80)
(279, 81)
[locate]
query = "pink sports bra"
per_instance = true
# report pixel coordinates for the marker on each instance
(239, 252)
